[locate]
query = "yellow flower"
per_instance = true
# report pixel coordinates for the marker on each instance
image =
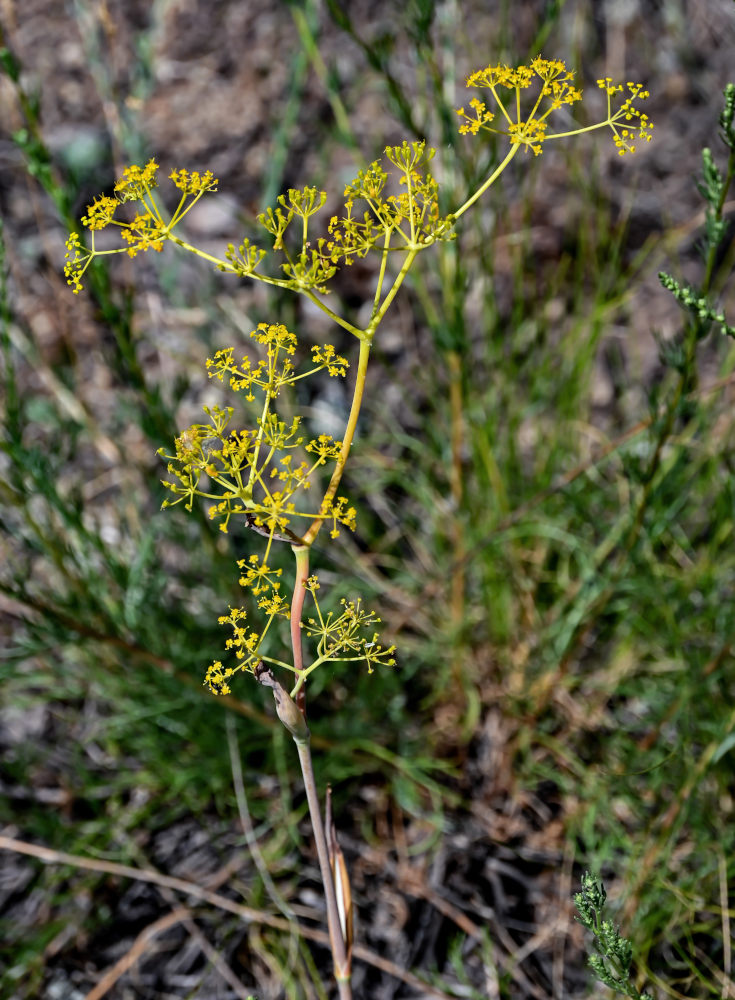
(100, 213)
(216, 678)
(194, 182)
(77, 262)
(637, 123)
(136, 181)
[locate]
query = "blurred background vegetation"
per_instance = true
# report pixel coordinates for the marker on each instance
(547, 533)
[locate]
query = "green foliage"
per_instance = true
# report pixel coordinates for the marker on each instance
(611, 964)
(714, 188)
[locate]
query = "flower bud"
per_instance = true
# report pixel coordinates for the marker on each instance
(286, 708)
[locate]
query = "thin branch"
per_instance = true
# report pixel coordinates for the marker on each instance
(247, 823)
(728, 987)
(136, 952)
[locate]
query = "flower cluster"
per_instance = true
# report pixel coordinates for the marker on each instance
(147, 230)
(137, 182)
(554, 88)
(244, 642)
(257, 472)
(403, 221)
(627, 122)
(338, 512)
(264, 582)
(407, 220)
(305, 269)
(340, 638)
(259, 576)
(193, 183)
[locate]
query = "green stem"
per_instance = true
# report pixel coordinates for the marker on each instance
(582, 130)
(362, 365)
(400, 278)
(335, 317)
(712, 252)
(311, 48)
(224, 264)
(491, 180)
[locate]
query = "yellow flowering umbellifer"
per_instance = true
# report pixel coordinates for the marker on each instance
(262, 474)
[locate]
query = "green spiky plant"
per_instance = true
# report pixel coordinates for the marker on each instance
(613, 954)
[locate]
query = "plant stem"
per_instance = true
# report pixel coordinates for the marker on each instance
(301, 554)
(362, 365)
(303, 746)
(490, 180)
(457, 532)
(339, 953)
